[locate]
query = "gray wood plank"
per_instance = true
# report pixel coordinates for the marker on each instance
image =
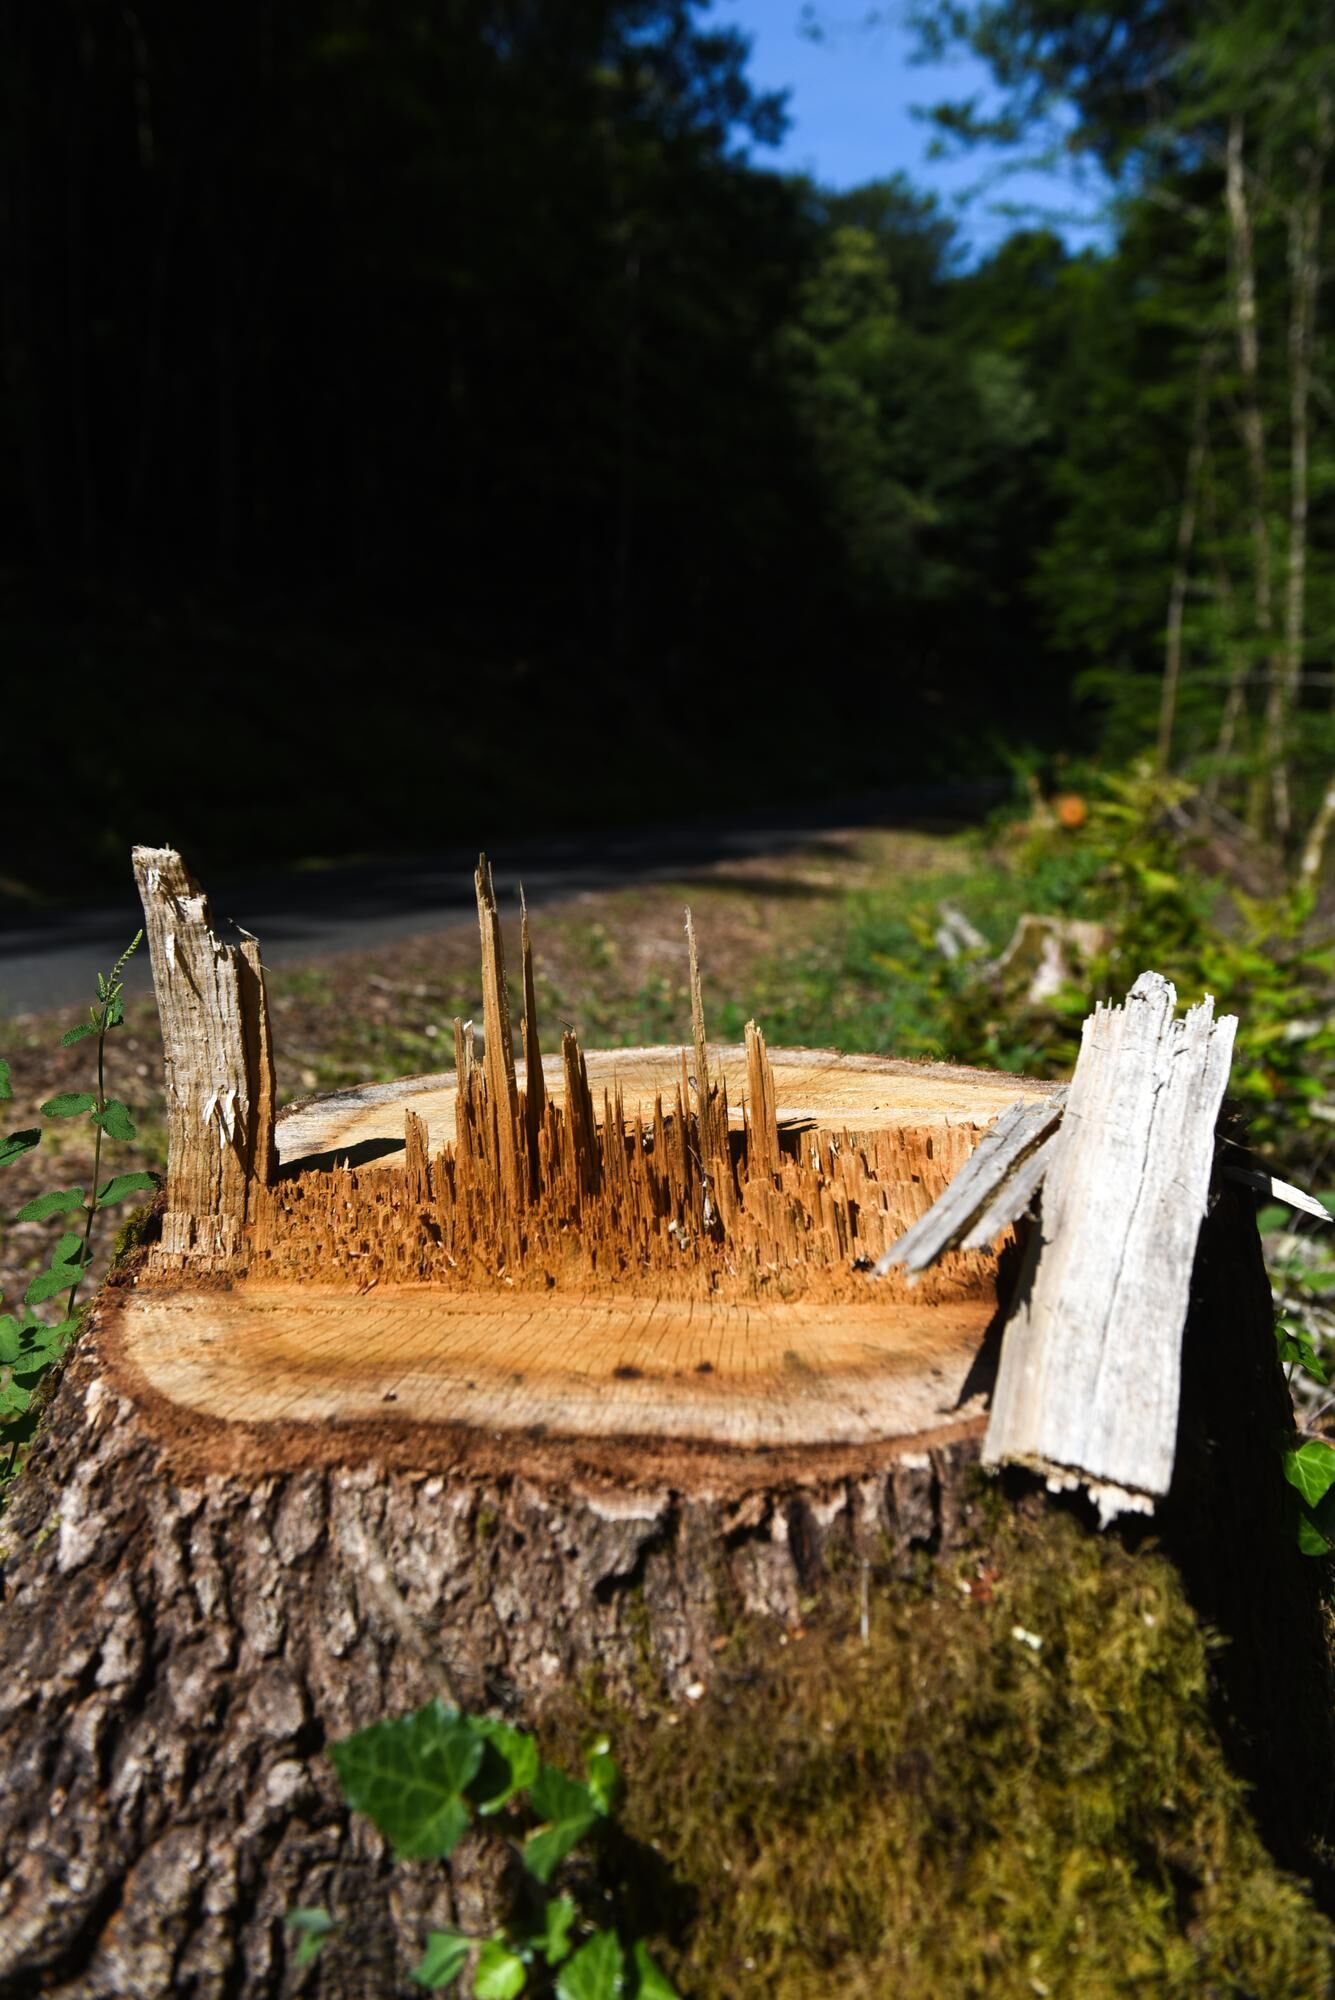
(993, 1183)
(1088, 1384)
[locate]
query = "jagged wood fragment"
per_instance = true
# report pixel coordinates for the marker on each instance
(219, 1065)
(1014, 1199)
(498, 1055)
(535, 1095)
(993, 1188)
(1265, 1182)
(1089, 1381)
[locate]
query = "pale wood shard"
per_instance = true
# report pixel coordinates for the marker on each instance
(1015, 1199)
(993, 1189)
(763, 1119)
(498, 1055)
(535, 1094)
(1088, 1387)
(1267, 1183)
(219, 1067)
(263, 1159)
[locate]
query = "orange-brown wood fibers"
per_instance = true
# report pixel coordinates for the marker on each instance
(537, 1193)
(575, 1199)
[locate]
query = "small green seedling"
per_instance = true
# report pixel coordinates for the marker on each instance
(29, 1345)
(424, 1779)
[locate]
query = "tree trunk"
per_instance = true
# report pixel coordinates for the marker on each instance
(494, 1419)
(1186, 534)
(1242, 261)
(1305, 281)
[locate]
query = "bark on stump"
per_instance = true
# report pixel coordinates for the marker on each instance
(573, 1365)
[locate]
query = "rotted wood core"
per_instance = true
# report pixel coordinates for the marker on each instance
(667, 1242)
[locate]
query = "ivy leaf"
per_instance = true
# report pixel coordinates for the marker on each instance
(121, 1186)
(5, 1089)
(56, 1203)
(14, 1401)
(1297, 1351)
(604, 1774)
(1310, 1538)
(553, 1940)
(408, 1776)
(568, 1810)
(444, 1959)
(649, 1982)
(500, 1974)
(114, 1118)
(313, 1927)
(11, 1339)
(73, 1035)
(68, 1104)
(596, 1972)
(16, 1144)
(1311, 1469)
(510, 1764)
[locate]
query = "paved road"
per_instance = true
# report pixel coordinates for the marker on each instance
(48, 959)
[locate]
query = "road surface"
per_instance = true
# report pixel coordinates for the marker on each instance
(49, 958)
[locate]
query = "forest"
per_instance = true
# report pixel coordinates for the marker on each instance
(573, 1447)
(410, 402)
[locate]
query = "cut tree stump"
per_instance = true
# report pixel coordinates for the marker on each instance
(491, 1384)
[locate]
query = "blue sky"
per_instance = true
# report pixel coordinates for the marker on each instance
(850, 107)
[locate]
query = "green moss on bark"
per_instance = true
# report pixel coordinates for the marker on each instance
(952, 1809)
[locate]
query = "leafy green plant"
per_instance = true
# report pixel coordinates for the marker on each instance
(423, 1779)
(29, 1345)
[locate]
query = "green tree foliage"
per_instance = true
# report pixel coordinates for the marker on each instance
(436, 367)
(444, 364)
(1196, 473)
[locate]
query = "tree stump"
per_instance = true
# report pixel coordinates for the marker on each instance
(488, 1385)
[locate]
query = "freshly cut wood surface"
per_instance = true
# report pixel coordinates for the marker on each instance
(817, 1088)
(785, 1373)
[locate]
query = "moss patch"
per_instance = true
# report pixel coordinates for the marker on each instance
(952, 1809)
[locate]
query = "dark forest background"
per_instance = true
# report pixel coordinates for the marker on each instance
(430, 418)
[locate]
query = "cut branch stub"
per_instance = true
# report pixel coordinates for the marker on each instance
(219, 1065)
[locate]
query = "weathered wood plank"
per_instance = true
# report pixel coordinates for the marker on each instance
(1089, 1380)
(993, 1188)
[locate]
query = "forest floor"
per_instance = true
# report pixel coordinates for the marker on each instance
(612, 964)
